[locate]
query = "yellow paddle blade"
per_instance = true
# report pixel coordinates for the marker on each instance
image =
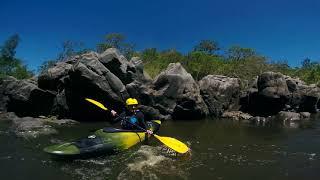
(173, 143)
(97, 104)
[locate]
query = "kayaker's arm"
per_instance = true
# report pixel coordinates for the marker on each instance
(118, 117)
(143, 124)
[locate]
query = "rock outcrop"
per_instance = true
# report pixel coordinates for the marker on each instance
(110, 78)
(276, 93)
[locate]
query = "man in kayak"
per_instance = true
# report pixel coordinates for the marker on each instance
(131, 118)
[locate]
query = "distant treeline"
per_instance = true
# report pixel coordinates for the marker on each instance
(205, 58)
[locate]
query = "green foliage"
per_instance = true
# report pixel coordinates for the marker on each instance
(69, 49)
(310, 72)
(22, 72)
(243, 63)
(155, 62)
(240, 53)
(116, 40)
(8, 50)
(207, 46)
(9, 64)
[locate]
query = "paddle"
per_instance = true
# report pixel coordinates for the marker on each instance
(172, 143)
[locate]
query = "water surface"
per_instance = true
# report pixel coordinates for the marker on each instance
(221, 149)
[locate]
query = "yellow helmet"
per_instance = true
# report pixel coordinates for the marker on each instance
(131, 101)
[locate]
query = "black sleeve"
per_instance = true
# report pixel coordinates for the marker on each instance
(140, 117)
(118, 118)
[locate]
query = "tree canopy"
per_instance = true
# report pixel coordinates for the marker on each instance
(9, 64)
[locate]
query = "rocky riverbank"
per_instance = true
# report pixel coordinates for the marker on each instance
(110, 78)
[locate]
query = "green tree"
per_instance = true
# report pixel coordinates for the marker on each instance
(9, 64)
(207, 46)
(8, 50)
(116, 40)
(306, 63)
(69, 49)
(240, 53)
(149, 54)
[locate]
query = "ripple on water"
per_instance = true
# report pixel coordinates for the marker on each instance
(150, 163)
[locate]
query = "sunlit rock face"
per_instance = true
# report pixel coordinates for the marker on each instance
(220, 93)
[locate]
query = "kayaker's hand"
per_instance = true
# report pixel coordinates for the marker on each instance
(149, 132)
(113, 113)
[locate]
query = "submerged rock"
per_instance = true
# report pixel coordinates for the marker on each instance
(305, 114)
(236, 115)
(258, 120)
(288, 116)
(30, 127)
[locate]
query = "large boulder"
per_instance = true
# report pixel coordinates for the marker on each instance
(25, 98)
(273, 85)
(270, 97)
(310, 100)
(303, 97)
(177, 93)
(220, 93)
(90, 78)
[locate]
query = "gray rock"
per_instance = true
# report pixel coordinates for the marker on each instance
(258, 120)
(118, 65)
(220, 93)
(90, 79)
(273, 85)
(305, 115)
(310, 100)
(53, 78)
(271, 97)
(7, 116)
(25, 98)
(27, 127)
(236, 115)
(303, 97)
(151, 113)
(177, 93)
(288, 116)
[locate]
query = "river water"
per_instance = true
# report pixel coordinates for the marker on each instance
(221, 149)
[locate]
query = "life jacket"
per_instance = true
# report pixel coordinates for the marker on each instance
(129, 125)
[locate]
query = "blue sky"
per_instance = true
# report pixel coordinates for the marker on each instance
(280, 30)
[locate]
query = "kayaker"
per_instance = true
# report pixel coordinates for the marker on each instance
(131, 114)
